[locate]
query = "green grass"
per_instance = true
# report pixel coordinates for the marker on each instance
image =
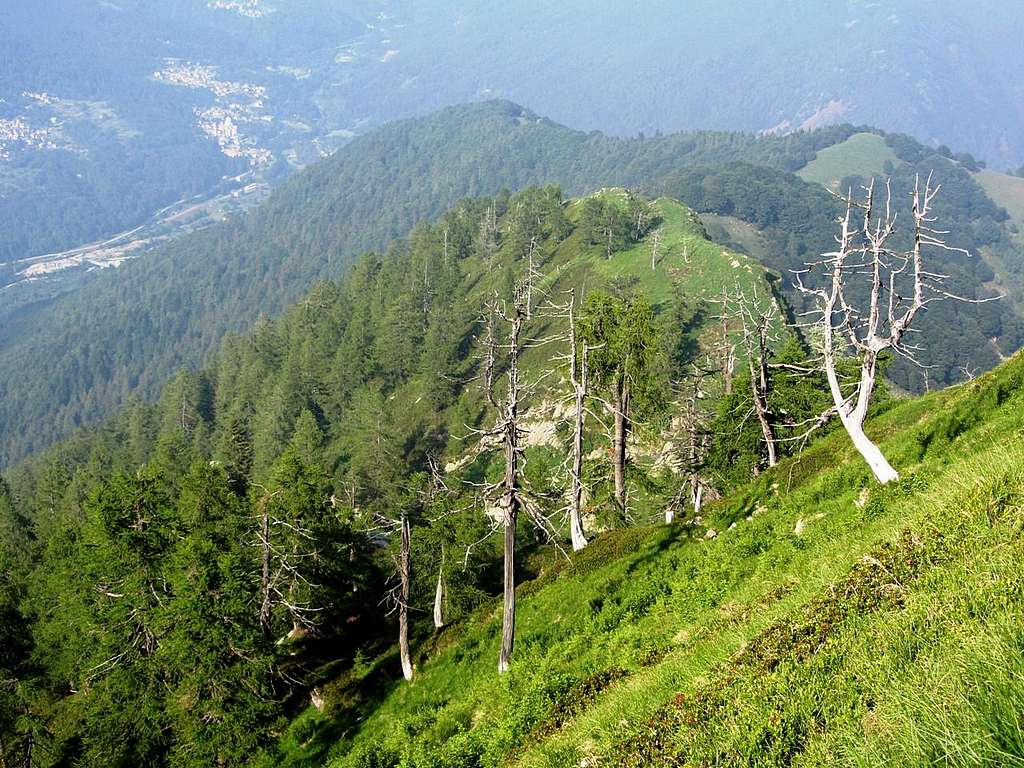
(886, 632)
(863, 154)
(688, 265)
(741, 234)
(1006, 191)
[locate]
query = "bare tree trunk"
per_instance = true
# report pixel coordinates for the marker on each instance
(728, 350)
(880, 466)
(696, 494)
(30, 741)
(439, 597)
(265, 604)
(578, 377)
(579, 540)
(853, 414)
(759, 384)
(766, 432)
(530, 274)
(403, 601)
(864, 252)
(351, 560)
(508, 618)
(512, 497)
(621, 404)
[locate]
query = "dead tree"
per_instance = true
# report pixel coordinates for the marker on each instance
(265, 555)
(439, 596)
(398, 597)
(532, 275)
(655, 242)
(578, 379)
(727, 347)
(511, 496)
(698, 444)
(695, 421)
(899, 289)
(756, 320)
(620, 407)
(437, 486)
(487, 236)
(507, 493)
(285, 547)
(405, 572)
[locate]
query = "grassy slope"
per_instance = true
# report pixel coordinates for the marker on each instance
(1008, 192)
(765, 645)
(689, 267)
(861, 154)
(1005, 190)
(740, 234)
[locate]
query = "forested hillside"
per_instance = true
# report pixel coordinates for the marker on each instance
(75, 360)
(169, 553)
(564, 467)
(96, 136)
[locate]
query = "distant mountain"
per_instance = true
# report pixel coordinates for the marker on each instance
(73, 360)
(156, 103)
(946, 72)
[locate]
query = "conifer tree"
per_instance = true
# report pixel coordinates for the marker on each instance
(623, 340)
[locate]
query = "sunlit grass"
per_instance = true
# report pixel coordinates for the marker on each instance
(923, 668)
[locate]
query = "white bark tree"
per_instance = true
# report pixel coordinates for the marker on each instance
(655, 242)
(899, 288)
(405, 574)
(507, 494)
(694, 449)
(439, 597)
(578, 378)
(727, 347)
(756, 319)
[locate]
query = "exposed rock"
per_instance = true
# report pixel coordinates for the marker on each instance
(317, 698)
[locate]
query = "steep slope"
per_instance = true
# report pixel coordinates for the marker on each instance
(75, 360)
(759, 643)
(146, 531)
(371, 329)
(802, 634)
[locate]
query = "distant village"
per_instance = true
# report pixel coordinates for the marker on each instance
(249, 8)
(17, 132)
(221, 122)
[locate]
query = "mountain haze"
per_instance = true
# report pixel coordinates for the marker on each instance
(198, 102)
(74, 359)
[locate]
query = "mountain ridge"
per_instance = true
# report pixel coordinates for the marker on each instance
(124, 334)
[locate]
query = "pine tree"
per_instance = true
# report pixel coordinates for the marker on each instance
(625, 346)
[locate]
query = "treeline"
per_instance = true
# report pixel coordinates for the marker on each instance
(178, 582)
(797, 220)
(74, 360)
